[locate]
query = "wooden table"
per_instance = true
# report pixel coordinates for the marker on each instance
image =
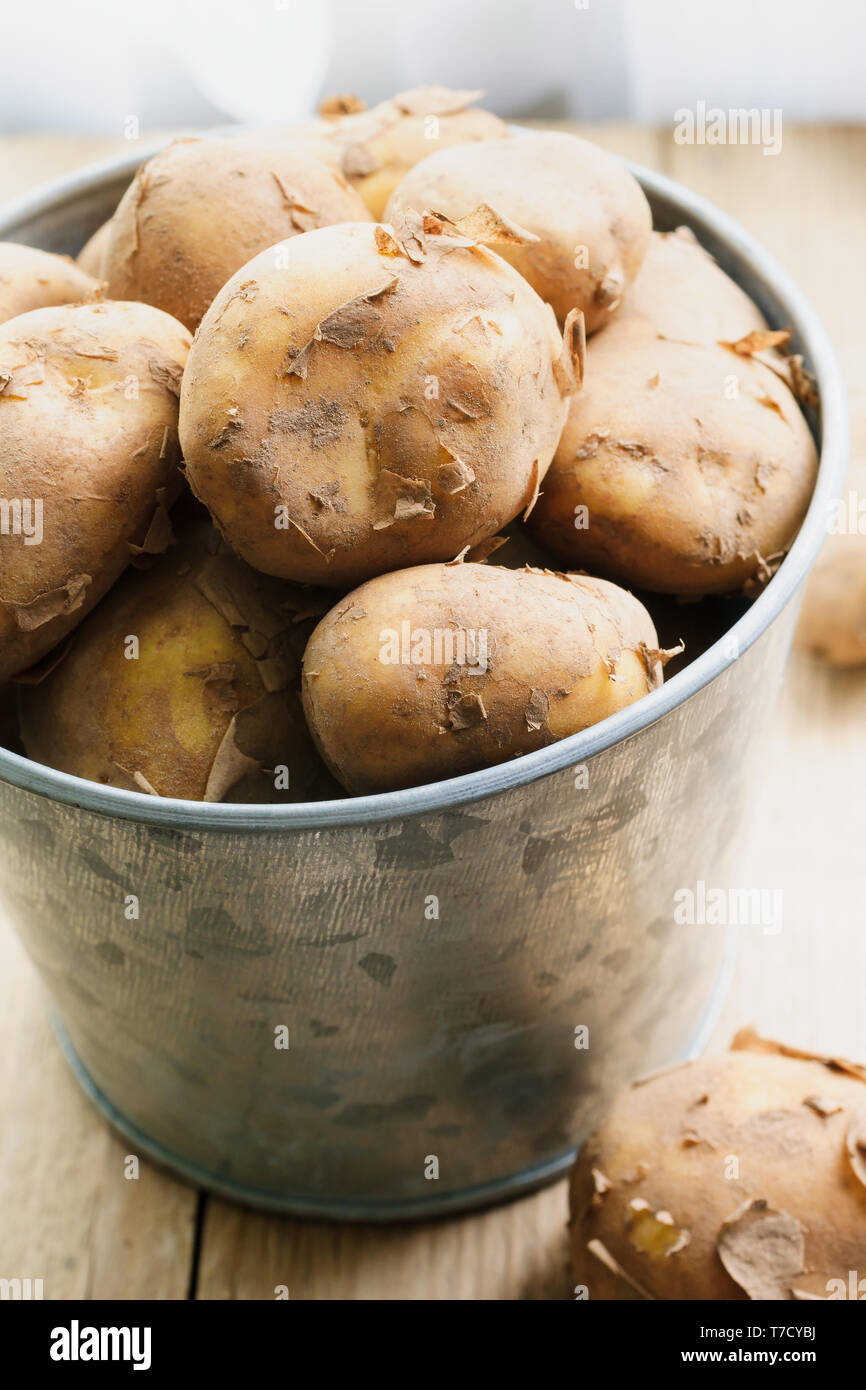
(69, 1216)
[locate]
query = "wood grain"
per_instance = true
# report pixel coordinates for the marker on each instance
(68, 1215)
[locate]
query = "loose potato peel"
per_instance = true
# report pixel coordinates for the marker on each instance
(199, 726)
(268, 636)
(358, 161)
(436, 100)
(417, 235)
(354, 322)
(368, 123)
(570, 366)
(748, 1040)
(762, 1250)
(160, 532)
(769, 347)
(53, 603)
(485, 224)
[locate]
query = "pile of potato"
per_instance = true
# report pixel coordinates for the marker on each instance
(390, 366)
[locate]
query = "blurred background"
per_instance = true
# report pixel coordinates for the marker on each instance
(173, 63)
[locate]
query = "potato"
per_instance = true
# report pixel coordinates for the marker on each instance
(31, 279)
(91, 257)
(200, 209)
(443, 669)
(377, 147)
(590, 217)
(361, 398)
(833, 617)
(733, 1177)
(684, 294)
(205, 705)
(684, 468)
(88, 460)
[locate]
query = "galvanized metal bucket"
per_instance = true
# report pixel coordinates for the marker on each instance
(434, 1062)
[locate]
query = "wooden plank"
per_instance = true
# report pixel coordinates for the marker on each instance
(640, 143)
(515, 1251)
(68, 1213)
(805, 985)
(29, 160)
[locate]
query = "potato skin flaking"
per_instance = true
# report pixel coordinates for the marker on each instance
(88, 433)
(393, 699)
(591, 220)
(201, 208)
(726, 1178)
(684, 467)
(374, 149)
(364, 398)
(207, 706)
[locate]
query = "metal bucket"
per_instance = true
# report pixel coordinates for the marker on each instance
(433, 1062)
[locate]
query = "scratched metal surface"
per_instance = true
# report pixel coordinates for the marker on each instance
(409, 1037)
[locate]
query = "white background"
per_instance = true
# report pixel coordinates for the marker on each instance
(87, 65)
